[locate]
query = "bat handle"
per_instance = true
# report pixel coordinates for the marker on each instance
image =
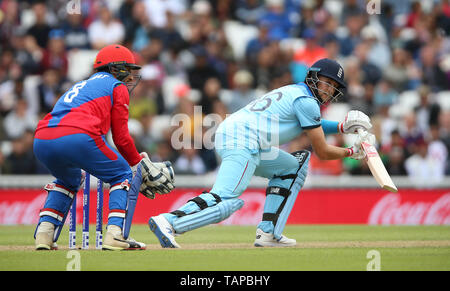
(360, 131)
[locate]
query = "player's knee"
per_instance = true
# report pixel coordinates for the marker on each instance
(120, 177)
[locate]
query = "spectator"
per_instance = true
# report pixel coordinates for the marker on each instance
(21, 160)
(249, 11)
(351, 37)
(138, 27)
(157, 10)
(277, 20)
(427, 111)
(421, 168)
(305, 57)
(437, 150)
(75, 33)
(350, 8)
(444, 134)
(411, 133)
(242, 93)
(106, 30)
(41, 29)
(55, 56)
(379, 52)
(163, 152)
(10, 92)
(27, 53)
(254, 46)
(189, 163)
(211, 92)
(396, 162)
(371, 73)
(9, 68)
(384, 95)
(10, 22)
(202, 70)
(49, 90)
(397, 72)
(19, 120)
(147, 98)
(433, 76)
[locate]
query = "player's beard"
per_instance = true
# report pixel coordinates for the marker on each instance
(136, 78)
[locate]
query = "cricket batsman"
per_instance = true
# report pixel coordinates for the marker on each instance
(71, 138)
(246, 141)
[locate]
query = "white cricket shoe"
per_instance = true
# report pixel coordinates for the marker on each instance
(163, 231)
(264, 239)
(44, 237)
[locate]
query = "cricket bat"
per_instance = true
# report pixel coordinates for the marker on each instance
(376, 166)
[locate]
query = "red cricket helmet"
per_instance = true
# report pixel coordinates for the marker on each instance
(115, 54)
(118, 60)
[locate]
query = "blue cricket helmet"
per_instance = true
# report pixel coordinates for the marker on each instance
(330, 69)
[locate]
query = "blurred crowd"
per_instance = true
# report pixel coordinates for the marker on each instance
(220, 55)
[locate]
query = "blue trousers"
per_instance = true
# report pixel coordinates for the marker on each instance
(65, 156)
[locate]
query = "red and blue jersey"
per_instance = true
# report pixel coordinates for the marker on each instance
(93, 106)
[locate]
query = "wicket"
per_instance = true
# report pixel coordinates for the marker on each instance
(85, 223)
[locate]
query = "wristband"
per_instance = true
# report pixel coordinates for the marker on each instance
(349, 152)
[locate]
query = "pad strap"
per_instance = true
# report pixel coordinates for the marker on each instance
(283, 192)
(59, 188)
(201, 203)
(123, 186)
(117, 213)
(52, 213)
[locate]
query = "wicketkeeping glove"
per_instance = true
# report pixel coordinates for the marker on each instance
(156, 178)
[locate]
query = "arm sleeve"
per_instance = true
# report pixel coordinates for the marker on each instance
(308, 112)
(119, 126)
(330, 127)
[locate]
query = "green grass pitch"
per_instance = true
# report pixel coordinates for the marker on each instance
(230, 248)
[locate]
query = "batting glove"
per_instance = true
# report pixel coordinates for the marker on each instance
(353, 121)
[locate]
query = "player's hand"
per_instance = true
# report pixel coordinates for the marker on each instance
(355, 151)
(353, 121)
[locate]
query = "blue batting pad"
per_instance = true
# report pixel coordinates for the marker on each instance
(209, 215)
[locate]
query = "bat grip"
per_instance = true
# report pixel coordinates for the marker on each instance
(360, 131)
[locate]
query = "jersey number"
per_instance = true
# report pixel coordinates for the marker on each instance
(74, 92)
(264, 102)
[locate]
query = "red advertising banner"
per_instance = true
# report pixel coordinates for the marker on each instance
(313, 206)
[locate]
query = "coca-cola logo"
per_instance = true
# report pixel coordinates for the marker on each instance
(22, 212)
(249, 214)
(391, 210)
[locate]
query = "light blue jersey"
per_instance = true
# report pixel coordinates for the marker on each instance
(272, 120)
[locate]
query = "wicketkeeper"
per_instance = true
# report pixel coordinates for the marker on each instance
(247, 142)
(72, 138)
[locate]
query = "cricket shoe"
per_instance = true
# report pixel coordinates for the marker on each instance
(114, 241)
(163, 231)
(44, 237)
(264, 239)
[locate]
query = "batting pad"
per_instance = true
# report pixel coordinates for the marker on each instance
(209, 215)
(296, 186)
